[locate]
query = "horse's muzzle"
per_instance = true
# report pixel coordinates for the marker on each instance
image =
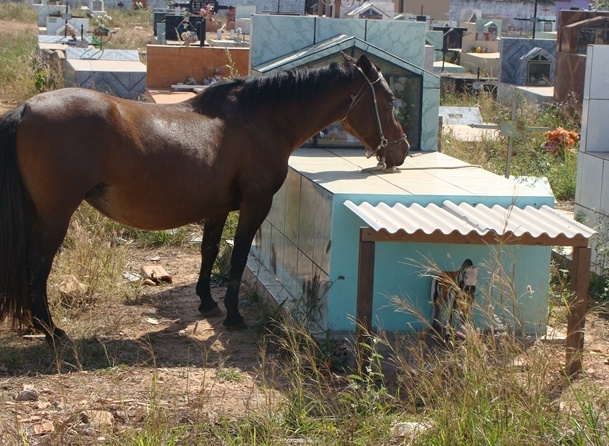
(397, 152)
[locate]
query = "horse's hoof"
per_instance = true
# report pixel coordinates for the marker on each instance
(239, 325)
(58, 341)
(242, 326)
(214, 312)
(56, 337)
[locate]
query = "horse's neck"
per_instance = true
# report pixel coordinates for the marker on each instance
(309, 115)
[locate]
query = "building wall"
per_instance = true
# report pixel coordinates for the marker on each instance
(437, 10)
(570, 66)
(504, 10)
(169, 65)
(592, 187)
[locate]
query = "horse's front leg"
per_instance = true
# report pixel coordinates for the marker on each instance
(251, 216)
(210, 246)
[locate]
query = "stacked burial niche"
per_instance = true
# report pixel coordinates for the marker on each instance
(537, 67)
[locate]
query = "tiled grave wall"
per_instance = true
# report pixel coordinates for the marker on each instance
(293, 243)
(311, 238)
(592, 192)
(513, 49)
(117, 72)
(282, 35)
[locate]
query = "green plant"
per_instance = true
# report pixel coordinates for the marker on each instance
(129, 19)
(599, 277)
(232, 68)
(528, 156)
(230, 375)
(589, 422)
(602, 4)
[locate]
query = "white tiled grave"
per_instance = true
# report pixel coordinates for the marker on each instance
(592, 189)
(310, 240)
(118, 72)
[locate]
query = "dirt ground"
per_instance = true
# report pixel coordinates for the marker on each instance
(160, 350)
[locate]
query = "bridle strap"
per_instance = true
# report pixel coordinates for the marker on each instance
(355, 99)
(383, 142)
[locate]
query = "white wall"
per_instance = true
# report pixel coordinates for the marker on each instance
(507, 11)
(592, 188)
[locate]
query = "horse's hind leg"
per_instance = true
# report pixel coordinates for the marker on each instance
(210, 246)
(46, 236)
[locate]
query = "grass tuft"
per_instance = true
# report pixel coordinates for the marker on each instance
(528, 158)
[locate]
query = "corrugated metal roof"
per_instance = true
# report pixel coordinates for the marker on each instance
(467, 219)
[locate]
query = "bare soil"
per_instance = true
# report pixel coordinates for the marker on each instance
(156, 351)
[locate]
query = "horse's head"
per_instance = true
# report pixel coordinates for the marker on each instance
(371, 116)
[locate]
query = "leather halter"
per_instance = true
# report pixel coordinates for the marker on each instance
(355, 99)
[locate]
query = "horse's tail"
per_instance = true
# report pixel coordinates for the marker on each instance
(14, 228)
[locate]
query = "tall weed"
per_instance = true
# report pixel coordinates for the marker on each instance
(18, 12)
(23, 72)
(528, 158)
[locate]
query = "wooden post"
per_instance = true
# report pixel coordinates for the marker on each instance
(578, 304)
(365, 285)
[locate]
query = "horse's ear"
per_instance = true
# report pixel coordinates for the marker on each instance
(348, 58)
(367, 65)
(363, 61)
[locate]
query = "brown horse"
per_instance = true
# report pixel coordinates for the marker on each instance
(225, 149)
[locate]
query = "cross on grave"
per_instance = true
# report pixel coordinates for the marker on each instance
(534, 20)
(66, 16)
(545, 8)
(511, 129)
(445, 50)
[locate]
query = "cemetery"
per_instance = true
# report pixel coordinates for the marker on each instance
(364, 255)
(309, 243)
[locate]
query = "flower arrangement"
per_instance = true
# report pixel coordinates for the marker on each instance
(207, 12)
(560, 139)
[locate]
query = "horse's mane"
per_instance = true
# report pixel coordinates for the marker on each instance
(283, 87)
